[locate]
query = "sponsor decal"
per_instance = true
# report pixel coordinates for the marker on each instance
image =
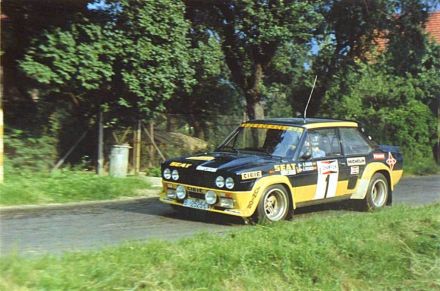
(328, 167)
(306, 167)
(354, 170)
(328, 172)
(285, 169)
(359, 161)
(251, 175)
(206, 169)
(179, 165)
(391, 161)
(272, 126)
(201, 158)
(380, 156)
(254, 195)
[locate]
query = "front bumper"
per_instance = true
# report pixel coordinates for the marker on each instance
(243, 201)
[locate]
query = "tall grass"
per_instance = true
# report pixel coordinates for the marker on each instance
(397, 248)
(65, 186)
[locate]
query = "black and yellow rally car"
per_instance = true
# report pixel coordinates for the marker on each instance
(267, 168)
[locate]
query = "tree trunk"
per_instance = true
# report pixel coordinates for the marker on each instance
(197, 125)
(172, 123)
(255, 110)
(254, 105)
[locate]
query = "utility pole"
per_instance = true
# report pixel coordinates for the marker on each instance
(137, 147)
(100, 164)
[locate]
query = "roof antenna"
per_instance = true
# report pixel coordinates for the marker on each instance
(310, 97)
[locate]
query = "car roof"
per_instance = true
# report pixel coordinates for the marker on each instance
(307, 123)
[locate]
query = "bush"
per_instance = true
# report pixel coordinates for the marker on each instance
(153, 172)
(28, 152)
(422, 166)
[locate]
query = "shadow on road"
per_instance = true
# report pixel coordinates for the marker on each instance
(153, 207)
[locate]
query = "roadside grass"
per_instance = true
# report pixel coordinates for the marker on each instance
(66, 186)
(421, 167)
(396, 248)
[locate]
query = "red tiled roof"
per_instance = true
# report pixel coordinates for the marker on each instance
(433, 25)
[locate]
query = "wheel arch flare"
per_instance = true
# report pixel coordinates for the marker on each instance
(262, 184)
(368, 173)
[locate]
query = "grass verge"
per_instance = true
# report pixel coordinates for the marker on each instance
(397, 248)
(421, 167)
(66, 186)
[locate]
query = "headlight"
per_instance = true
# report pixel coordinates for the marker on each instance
(167, 174)
(171, 193)
(180, 192)
(229, 183)
(175, 175)
(220, 182)
(210, 197)
(226, 202)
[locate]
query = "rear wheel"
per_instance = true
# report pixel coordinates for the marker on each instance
(377, 193)
(274, 205)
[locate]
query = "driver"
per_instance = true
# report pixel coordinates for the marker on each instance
(316, 151)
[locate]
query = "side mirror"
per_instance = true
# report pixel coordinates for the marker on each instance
(306, 156)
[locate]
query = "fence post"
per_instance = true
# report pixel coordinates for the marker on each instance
(100, 164)
(137, 147)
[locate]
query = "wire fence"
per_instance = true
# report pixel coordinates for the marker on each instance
(169, 136)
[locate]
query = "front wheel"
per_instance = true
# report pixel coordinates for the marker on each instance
(377, 193)
(274, 205)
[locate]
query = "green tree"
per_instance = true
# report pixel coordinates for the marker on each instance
(132, 57)
(343, 40)
(153, 57)
(388, 106)
(251, 32)
(213, 94)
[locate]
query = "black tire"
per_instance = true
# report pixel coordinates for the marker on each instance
(377, 194)
(273, 206)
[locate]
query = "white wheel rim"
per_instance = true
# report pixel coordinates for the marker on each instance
(275, 204)
(379, 193)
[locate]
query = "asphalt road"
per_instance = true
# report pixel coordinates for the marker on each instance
(61, 229)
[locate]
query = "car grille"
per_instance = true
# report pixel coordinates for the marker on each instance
(196, 195)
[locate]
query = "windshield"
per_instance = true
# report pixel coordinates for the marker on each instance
(275, 140)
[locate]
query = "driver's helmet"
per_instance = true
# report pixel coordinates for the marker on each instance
(314, 140)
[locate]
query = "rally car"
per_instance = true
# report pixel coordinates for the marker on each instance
(266, 169)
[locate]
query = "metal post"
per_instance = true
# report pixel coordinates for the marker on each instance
(100, 164)
(137, 148)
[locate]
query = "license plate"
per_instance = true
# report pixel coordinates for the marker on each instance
(198, 204)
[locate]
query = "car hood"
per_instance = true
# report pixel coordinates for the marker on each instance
(222, 162)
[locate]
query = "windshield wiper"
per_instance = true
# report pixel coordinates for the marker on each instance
(228, 150)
